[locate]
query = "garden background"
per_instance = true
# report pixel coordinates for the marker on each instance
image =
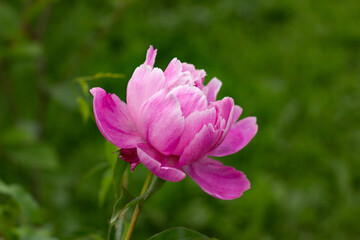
(295, 65)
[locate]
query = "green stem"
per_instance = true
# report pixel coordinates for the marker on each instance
(138, 207)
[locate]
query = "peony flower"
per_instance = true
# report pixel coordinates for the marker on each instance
(172, 123)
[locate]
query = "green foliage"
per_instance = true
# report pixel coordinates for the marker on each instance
(179, 233)
(293, 64)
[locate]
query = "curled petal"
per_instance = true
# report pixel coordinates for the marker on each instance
(150, 56)
(225, 108)
(199, 146)
(190, 98)
(173, 72)
(212, 89)
(162, 166)
(161, 122)
(193, 124)
(219, 181)
(144, 83)
(238, 137)
(113, 120)
(197, 75)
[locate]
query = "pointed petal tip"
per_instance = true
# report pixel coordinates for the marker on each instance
(96, 90)
(150, 56)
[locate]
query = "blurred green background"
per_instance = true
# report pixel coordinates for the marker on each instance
(293, 64)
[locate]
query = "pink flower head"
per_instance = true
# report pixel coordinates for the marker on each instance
(172, 123)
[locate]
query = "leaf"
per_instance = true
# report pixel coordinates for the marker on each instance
(85, 86)
(125, 202)
(118, 173)
(38, 156)
(63, 94)
(29, 233)
(178, 233)
(25, 132)
(29, 207)
(111, 153)
(105, 185)
(120, 204)
(84, 108)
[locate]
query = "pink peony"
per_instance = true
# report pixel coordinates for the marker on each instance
(172, 123)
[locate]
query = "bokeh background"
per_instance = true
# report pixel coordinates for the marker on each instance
(295, 65)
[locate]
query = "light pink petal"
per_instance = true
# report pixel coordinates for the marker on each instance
(219, 181)
(190, 98)
(150, 56)
(212, 89)
(197, 75)
(113, 120)
(162, 166)
(237, 113)
(225, 108)
(144, 83)
(199, 146)
(172, 72)
(161, 122)
(238, 137)
(193, 124)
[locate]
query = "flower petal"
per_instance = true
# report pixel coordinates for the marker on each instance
(196, 75)
(172, 72)
(161, 122)
(225, 108)
(150, 56)
(193, 124)
(237, 113)
(199, 146)
(190, 98)
(113, 120)
(219, 181)
(212, 89)
(162, 166)
(238, 137)
(144, 83)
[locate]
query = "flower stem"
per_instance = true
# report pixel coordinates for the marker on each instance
(138, 207)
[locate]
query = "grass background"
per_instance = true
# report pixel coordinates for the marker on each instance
(295, 65)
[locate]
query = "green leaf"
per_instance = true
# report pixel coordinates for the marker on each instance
(63, 94)
(26, 132)
(120, 205)
(84, 108)
(38, 156)
(29, 207)
(105, 185)
(179, 233)
(111, 153)
(124, 203)
(118, 173)
(29, 233)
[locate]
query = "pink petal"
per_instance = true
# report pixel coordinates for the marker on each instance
(237, 113)
(113, 120)
(173, 73)
(162, 166)
(190, 98)
(197, 75)
(144, 83)
(199, 146)
(238, 137)
(212, 89)
(161, 122)
(225, 108)
(150, 56)
(193, 124)
(219, 181)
